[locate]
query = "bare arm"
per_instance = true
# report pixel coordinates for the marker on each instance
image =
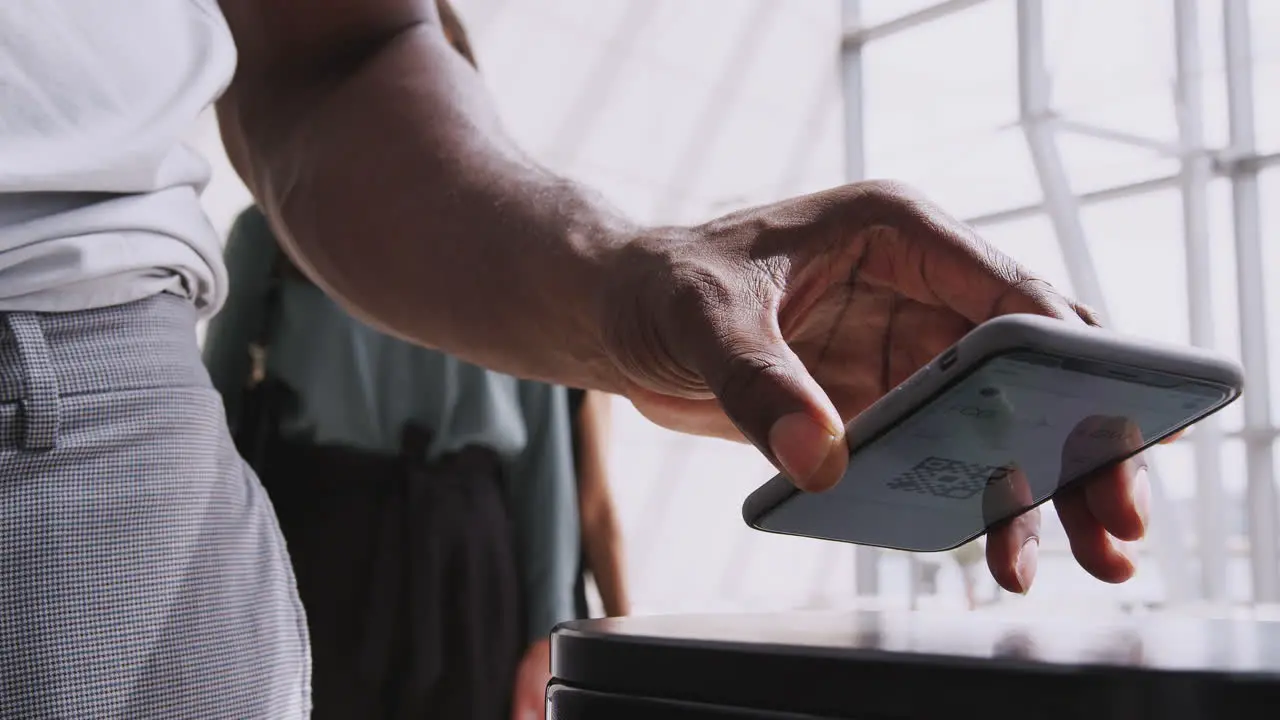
(601, 536)
(376, 153)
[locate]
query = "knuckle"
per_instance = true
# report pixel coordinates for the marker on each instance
(1004, 266)
(892, 193)
(747, 366)
(904, 205)
(1024, 282)
(1088, 313)
(1021, 285)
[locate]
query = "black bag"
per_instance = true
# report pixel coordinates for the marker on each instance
(263, 398)
(260, 413)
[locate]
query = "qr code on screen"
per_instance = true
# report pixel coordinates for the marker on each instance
(950, 479)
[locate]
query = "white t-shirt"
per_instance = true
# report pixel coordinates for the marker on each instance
(99, 198)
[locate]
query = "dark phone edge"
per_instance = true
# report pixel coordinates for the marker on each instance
(777, 490)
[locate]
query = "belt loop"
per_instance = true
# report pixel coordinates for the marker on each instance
(40, 405)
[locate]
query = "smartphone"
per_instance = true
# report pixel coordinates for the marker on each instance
(1019, 409)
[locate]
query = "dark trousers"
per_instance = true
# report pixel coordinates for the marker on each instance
(408, 576)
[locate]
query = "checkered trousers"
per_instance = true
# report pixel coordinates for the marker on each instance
(142, 574)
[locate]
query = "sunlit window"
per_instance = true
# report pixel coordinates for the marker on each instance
(681, 110)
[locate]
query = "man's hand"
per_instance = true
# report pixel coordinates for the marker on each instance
(379, 158)
(781, 323)
(529, 698)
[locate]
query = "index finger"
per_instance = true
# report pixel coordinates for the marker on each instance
(951, 265)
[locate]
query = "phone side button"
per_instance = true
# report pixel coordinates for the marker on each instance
(909, 382)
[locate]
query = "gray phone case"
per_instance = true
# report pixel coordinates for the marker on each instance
(1009, 333)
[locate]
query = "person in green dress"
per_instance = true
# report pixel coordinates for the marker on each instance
(428, 504)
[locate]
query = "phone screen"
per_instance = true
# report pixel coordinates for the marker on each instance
(1002, 439)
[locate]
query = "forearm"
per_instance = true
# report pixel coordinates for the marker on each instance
(396, 189)
(603, 545)
(601, 537)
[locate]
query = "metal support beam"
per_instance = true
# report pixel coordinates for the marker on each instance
(1037, 121)
(1225, 164)
(855, 35)
(1196, 172)
(866, 569)
(596, 92)
(1038, 125)
(1250, 282)
(1117, 192)
(1121, 137)
(1229, 162)
(1064, 212)
(716, 109)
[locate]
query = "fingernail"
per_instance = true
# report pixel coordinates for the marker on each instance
(801, 446)
(1142, 497)
(1025, 567)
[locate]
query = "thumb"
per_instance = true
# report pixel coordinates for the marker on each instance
(770, 396)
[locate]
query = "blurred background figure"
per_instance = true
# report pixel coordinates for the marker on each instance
(1119, 174)
(602, 554)
(429, 505)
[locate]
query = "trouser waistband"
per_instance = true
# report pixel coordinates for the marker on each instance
(45, 357)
